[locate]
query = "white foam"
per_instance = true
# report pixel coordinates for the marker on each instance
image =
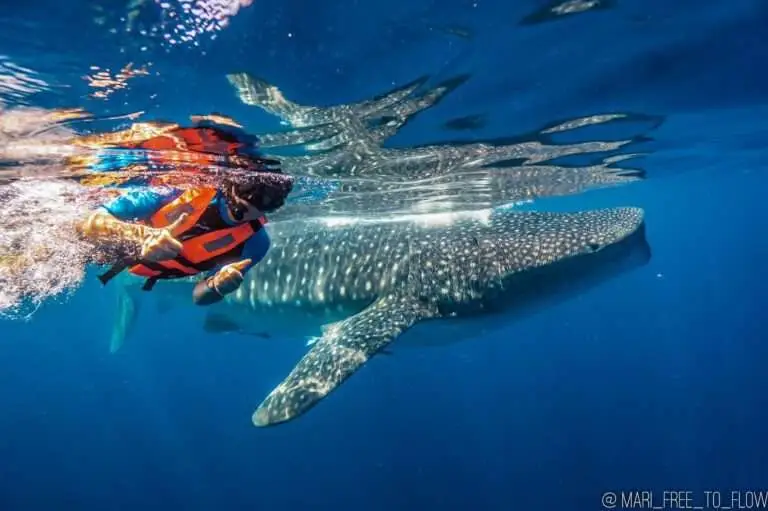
(41, 256)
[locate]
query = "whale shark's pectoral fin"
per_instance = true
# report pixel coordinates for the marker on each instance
(344, 348)
(127, 311)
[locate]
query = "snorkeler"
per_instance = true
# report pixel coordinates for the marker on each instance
(177, 223)
(166, 233)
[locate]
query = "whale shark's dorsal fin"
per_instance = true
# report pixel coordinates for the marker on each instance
(342, 350)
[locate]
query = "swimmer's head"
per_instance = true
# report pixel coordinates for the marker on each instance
(263, 192)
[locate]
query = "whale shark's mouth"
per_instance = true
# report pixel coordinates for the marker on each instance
(629, 250)
(576, 274)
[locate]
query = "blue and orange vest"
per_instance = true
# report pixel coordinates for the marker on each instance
(202, 249)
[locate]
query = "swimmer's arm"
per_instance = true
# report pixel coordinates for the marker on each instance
(205, 294)
(255, 249)
(114, 224)
(101, 226)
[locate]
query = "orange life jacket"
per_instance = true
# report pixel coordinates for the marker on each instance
(200, 251)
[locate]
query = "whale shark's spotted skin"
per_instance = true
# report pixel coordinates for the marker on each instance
(400, 273)
(359, 262)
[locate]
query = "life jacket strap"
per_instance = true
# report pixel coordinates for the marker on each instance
(114, 271)
(163, 271)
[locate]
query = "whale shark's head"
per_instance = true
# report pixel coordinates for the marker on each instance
(480, 259)
(521, 241)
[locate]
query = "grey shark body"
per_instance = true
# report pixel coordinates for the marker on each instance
(359, 287)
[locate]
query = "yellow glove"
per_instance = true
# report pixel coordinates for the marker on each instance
(150, 243)
(160, 244)
(230, 277)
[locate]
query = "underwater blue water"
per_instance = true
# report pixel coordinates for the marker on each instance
(652, 381)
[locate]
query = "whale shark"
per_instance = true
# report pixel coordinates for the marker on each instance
(353, 288)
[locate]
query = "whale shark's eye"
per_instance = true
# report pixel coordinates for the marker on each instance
(594, 247)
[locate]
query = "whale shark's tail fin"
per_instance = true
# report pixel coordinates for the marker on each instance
(127, 311)
(344, 347)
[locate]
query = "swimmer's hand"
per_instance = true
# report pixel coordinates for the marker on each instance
(229, 278)
(147, 242)
(160, 244)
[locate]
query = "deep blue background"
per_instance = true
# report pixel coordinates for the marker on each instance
(653, 381)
